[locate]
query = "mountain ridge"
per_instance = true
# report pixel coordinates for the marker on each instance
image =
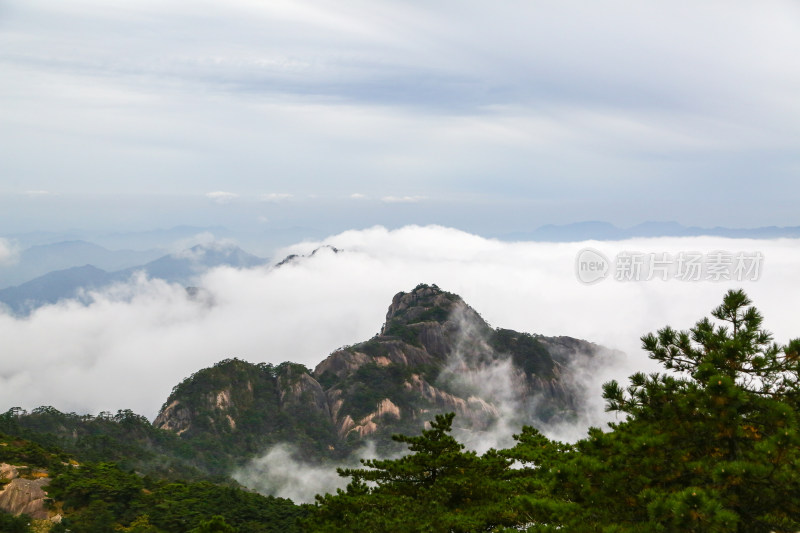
(605, 231)
(434, 354)
(73, 282)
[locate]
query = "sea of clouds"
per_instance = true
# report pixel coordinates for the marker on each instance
(135, 341)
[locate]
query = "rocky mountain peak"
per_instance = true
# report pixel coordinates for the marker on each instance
(434, 354)
(296, 258)
(425, 304)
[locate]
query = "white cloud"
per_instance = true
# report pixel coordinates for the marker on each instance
(206, 240)
(279, 473)
(133, 344)
(358, 196)
(222, 197)
(275, 197)
(9, 252)
(402, 199)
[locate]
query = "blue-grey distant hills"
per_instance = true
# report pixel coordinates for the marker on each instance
(604, 231)
(183, 267)
(41, 259)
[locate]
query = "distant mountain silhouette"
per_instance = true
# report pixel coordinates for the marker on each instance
(42, 259)
(604, 231)
(183, 266)
(72, 283)
(296, 258)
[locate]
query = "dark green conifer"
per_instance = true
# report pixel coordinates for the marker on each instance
(710, 447)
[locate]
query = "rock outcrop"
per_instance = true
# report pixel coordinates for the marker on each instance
(433, 354)
(21, 495)
(9, 472)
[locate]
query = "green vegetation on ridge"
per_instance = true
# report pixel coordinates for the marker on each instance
(713, 446)
(104, 497)
(125, 438)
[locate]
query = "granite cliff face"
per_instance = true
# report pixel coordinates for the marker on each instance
(23, 491)
(235, 409)
(433, 354)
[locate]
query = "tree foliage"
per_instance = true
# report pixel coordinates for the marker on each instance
(437, 487)
(711, 446)
(14, 524)
(101, 497)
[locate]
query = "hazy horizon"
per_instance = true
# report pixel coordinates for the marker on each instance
(263, 116)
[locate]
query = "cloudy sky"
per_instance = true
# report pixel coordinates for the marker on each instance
(490, 117)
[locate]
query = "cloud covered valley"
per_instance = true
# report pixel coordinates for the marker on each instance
(136, 340)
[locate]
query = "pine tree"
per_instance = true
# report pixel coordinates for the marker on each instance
(711, 446)
(437, 487)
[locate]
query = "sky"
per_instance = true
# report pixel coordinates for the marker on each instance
(263, 115)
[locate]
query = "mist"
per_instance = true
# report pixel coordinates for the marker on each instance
(474, 370)
(279, 473)
(133, 342)
(8, 252)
